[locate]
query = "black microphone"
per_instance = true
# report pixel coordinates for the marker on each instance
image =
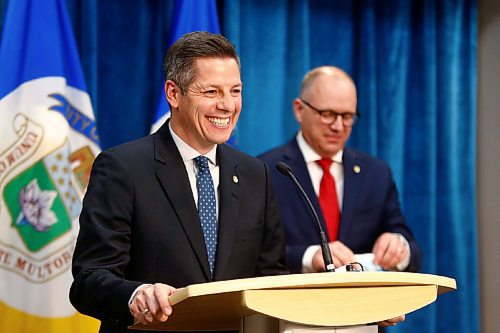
(286, 170)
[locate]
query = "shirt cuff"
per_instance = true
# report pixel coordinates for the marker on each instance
(403, 264)
(307, 258)
(142, 286)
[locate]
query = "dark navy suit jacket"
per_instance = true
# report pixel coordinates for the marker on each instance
(370, 204)
(139, 224)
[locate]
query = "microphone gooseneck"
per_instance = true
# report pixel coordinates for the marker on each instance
(286, 170)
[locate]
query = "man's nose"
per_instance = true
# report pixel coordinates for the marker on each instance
(338, 123)
(226, 103)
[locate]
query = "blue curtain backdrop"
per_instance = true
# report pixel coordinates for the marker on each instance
(414, 63)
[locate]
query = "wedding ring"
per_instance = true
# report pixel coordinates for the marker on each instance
(145, 312)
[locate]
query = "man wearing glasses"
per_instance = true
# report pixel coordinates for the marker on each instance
(354, 194)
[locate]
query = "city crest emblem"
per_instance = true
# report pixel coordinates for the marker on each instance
(42, 202)
(46, 154)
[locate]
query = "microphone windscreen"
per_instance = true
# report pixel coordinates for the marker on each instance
(283, 168)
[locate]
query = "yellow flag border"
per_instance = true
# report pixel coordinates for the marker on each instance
(14, 320)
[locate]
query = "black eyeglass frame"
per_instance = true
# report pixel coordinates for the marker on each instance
(355, 116)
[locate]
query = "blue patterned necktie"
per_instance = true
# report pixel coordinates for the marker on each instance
(207, 208)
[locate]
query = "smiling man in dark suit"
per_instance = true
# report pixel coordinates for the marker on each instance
(177, 207)
(354, 194)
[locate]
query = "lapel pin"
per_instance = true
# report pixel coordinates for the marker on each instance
(356, 169)
(235, 179)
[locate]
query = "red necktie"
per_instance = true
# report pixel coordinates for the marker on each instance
(328, 199)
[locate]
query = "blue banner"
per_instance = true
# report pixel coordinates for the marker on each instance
(38, 41)
(188, 16)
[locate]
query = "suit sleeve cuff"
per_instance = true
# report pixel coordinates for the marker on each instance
(403, 264)
(142, 286)
(308, 257)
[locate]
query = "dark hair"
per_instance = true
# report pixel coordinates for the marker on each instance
(179, 60)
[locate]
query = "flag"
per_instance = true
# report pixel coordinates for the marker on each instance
(49, 141)
(188, 16)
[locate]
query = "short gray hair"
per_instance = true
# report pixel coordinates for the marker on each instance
(332, 71)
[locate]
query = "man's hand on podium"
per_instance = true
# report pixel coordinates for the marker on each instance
(150, 303)
(391, 322)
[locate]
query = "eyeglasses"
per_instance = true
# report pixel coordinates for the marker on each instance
(329, 117)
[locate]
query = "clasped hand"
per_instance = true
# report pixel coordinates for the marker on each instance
(389, 251)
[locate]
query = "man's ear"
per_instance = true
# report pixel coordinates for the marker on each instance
(172, 92)
(298, 108)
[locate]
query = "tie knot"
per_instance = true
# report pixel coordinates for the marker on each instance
(325, 163)
(202, 162)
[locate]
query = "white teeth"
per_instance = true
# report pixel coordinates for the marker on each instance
(219, 121)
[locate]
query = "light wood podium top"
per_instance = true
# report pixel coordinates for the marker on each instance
(319, 299)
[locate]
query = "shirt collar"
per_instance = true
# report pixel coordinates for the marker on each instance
(187, 152)
(310, 155)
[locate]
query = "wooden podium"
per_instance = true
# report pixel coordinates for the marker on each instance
(317, 300)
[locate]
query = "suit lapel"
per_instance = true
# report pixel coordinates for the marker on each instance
(229, 188)
(353, 171)
(175, 182)
(294, 158)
